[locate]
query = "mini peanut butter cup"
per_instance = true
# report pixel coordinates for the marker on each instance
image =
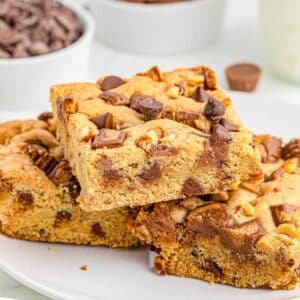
(243, 77)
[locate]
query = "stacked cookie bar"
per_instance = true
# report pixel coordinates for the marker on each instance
(155, 137)
(160, 159)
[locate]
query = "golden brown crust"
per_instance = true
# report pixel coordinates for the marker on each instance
(180, 111)
(38, 193)
(251, 240)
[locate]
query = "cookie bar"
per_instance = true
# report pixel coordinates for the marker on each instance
(251, 240)
(38, 193)
(155, 137)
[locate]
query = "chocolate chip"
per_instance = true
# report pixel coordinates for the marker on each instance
(103, 121)
(25, 198)
(220, 133)
(200, 95)
(114, 98)
(214, 109)
(61, 217)
(191, 187)
(97, 230)
(291, 149)
(228, 125)
(162, 150)
(150, 108)
(152, 172)
(136, 99)
(72, 187)
(45, 116)
(111, 82)
(209, 265)
(109, 138)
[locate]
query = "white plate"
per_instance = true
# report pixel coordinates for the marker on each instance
(54, 270)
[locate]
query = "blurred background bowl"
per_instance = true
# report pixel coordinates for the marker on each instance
(158, 28)
(25, 82)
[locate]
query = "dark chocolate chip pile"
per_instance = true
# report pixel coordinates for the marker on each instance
(36, 27)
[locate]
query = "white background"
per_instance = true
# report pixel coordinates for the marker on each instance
(240, 41)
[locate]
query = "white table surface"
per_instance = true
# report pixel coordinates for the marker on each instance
(240, 42)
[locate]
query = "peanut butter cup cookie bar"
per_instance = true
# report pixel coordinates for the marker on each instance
(251, 239)
(154, 137)
(39, 194)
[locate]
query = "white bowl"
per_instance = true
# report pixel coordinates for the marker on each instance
(25, 82)
(158, 28)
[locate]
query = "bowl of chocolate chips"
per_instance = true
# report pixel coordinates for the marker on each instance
(42, 42)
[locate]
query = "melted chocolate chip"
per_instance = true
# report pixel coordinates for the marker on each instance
(150, 108)
(162, 150)
(62, 217)
(209, 265)
(228, 125)
(105, 165)
(220, 133)
(111, 82)
(103, 121)
(191, 187)
(109, 138)
(45, 116)
(214, 109)
(151, 173)
(136, 99)
(61, 173)
(97, 230)
(200, 95)
(114, 98)
(25, 198)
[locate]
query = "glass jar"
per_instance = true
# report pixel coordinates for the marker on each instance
(280, 22)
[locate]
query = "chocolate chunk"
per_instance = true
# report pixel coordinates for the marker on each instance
(214, 109)
(150, 108)
(103, 121)
(209, 265)
(243, 77)
(220, 133)
(200, 95)
(228, 125)
(162, 150)
(109, 172)
(61, 173)
(242, 238)
(114, 98)
(97, 230)
(191, 187)
(269, 147)
(62, 217)
(280, 172)
(136, 99)
(40, 157)
(291, 149)
(109, 138)
(283, 213)
(111, 82)
(152, 172)
(45, 116)
(25, 198)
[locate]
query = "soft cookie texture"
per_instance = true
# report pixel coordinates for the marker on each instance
(246, 238)
(157, 136)
(39, 194)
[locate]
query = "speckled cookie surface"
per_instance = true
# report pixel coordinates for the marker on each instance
(39, 194)
(154, 137)
(251, 239)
